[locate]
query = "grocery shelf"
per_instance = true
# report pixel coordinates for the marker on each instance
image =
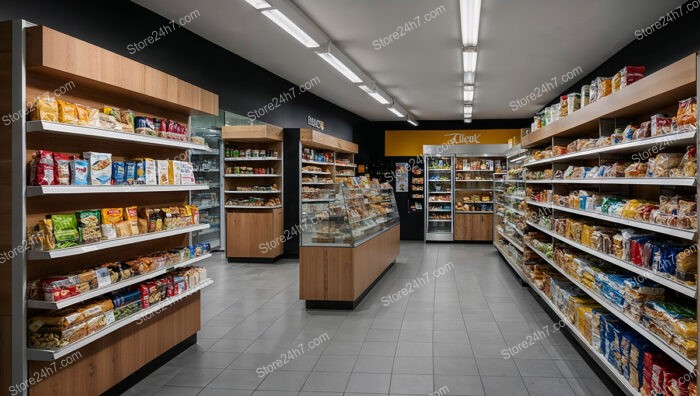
(251, 207)
(473, 170)
(540, 204)
(322, 163)
(317, 200)
(35, 191)
(39, 304)
(671, 284)
(252, 192)
(315, 173)
(616, 376)
(517, 197)
(92, 247)
(510, 261)
(437, 221)
(521, 213)
(671, 139)
(476, 181)
(473, 211)
(108, 134)
(473, 189)
(647, 181)
(688, 364)
(316, 184)
(345, 165)
(513, 227)
(661, 229)
(511, 240)
(439, 192)
(514, 180)
(439, 210)
(248, 159)
(48, 355)
(439, 170)
(253, 175)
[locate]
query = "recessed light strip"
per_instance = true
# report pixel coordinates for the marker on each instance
(470, 17)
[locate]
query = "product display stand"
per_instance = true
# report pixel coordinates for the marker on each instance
(43, 59)
(253, 180)
(509, 209)
(474, 196)
(555, 194)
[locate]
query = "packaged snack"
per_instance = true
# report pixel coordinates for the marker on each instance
(127, 119)
(118, 173)
(129, 172)
(604, 87)
(664, 162)
(67, 112)
(45, 109)
(123, 228)
(163, 171)
(42, 169)
(686, 118)
(107, 121)
(195, 213)
(79, 171)
(140, 172)
(111, 216)
(131, 215)
(644, 131)
(65, 230)
(187, 173)
(93, 117)
(61, 169)
(151, 172)
(82, 113)
(594, 90)
(616, 82)
(100, 168)
(89, 225)
(48, 242)
(638, 169)
(661, 124)
(55, 339)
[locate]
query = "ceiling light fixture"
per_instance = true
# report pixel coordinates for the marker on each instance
(412, 120)
(469, 59)
(258, 4)
(470, 14)
(376, 94)
(398, 110)
(468, 111)
(341, 63)
(290, 27)
(468, 93)
(468, 120)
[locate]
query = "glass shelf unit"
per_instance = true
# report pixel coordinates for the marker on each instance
(439, 188)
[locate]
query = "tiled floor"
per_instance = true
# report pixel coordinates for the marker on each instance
(450, 332)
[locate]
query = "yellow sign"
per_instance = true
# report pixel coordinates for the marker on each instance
(409, 143)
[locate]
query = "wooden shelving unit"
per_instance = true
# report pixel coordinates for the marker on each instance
(53, 59)
(253, 202)
(658, 92)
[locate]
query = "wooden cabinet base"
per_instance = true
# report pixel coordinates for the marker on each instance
(338, 277)
(473, 227)
(108, 361)
(254, 235)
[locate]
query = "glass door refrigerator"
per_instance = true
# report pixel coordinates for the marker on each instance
(439, 189)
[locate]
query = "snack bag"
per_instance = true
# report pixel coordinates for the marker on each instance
(175, 172)
(79, 171)
(687, 110)
(89, 225)
(45, 109)
(100, 168)
(118, 173)
(93, 117)
(65, 230)
(131, 215)
(42, 169)
(111, 216)
(151, 173)
(67, 112)
(127, 120)
(82, 113)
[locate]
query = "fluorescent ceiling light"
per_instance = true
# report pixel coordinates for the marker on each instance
(341, 63)
(470, 14)
(469, 59)
(290, 27)
(468, 110)
(412, 121)
(258, 4)
(468, 120)
(469, 78)
(375, 94)
(469, 93)
(398, 113)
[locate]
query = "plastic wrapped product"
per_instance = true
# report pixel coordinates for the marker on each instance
(661, 125)
(42, 168)
(638, 169)
(118, 173)
(100, 168)
(67, 112)
(628, 133)
(604, 87)
(687, 114)
(61, 169)
(89, 225)
(83, 114)
(79, 172)
(45, 109)
(664, 162)
(573, 101)
(65, 230)
(644, 131)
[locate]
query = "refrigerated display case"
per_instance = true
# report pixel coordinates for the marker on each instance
(439, 172)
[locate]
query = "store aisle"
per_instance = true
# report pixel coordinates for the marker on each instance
(450, 331)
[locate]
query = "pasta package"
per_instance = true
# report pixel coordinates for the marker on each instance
(100, 168)
(45, 109)
(163, 167)
(67, 112)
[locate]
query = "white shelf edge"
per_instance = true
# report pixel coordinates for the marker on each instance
(472, 212)
(475, 181)
(34, 191)
(540, 204)
(676, 137)
(521, 213)
(252, 192)
(240, 175)
(50, 355)
(512, 264)
(93, 247)
(511, 240)
(39, 304)
(317, 163)
(315, 173)
(346, 165)
(645, 181)
(250, 207)
(675, 232)
(685, 362)
(108, 134)
(247, 159)
(439, 192)
(440, 221)
(677, 286)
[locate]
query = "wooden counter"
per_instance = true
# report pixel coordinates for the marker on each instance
(473, 227)
(339, 277)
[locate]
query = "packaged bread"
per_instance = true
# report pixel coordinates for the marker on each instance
(664, 162)
(661, 125)
(686, 118)
(56, 339)
(67, 112)
(45, 109)
(638, 169)
(604, 87)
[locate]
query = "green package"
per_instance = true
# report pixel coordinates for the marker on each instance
(65, 230)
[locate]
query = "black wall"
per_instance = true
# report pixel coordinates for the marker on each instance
(672, 42)
(241, 85)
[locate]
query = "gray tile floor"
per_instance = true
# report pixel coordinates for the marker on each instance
(448, 332)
